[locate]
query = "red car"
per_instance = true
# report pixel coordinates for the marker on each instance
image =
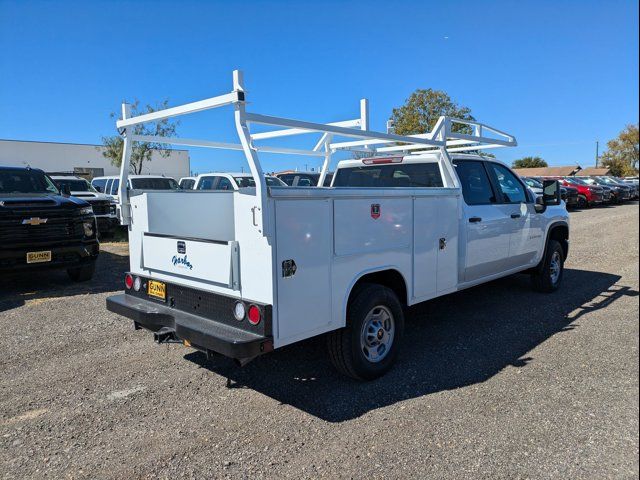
(588, 195)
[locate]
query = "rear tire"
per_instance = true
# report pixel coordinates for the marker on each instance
(548, 276)
(368, 346)
(582, 202)
(83, 273)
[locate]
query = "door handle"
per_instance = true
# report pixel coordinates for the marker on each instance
(475, 219)
(515, 215)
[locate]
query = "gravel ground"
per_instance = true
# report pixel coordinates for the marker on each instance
(493, 382)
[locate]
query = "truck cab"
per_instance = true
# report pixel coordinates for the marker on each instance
(41, 226)
(111, 184)
(502, 228)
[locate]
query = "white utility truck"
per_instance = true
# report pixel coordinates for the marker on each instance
(242, 272)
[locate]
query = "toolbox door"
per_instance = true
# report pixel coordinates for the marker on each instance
(303, 265)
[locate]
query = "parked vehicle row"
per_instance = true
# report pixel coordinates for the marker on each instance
(110, 185)
(575, 191)
(104, 206)
(594, 191)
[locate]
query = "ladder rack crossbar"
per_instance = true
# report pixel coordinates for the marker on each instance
(443, 139)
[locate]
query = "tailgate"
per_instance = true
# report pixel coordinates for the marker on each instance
(206, 260)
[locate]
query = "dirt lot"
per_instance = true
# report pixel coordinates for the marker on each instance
(494, 382)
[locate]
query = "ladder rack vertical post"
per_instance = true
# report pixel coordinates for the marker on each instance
(125, 166)
(446, 164)
(364, 114)
(251, 154)
(324, 142)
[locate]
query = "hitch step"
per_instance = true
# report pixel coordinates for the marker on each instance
(166, 335)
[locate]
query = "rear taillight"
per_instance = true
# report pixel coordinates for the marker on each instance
(254, 315)
(128, 281)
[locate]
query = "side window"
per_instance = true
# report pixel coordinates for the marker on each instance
(476, 187)
(187, 184)
(224, 184)
(288, 179)
(512, 190)
(107, 187)
(206, 183)
(114, 186)
(99, 184)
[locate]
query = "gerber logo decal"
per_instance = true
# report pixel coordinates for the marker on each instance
(182, 262)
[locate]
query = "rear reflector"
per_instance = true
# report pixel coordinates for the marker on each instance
(381, 160)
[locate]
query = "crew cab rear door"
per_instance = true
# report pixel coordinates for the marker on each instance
(487, 226)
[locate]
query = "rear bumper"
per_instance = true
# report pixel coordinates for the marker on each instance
(199, 332)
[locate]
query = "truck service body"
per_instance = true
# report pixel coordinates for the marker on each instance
(242, 272)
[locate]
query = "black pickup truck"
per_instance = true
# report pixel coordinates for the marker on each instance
(42, 226)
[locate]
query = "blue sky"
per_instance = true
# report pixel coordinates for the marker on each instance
(558, 75)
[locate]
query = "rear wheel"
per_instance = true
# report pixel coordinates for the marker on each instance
(83, 273)
(548, 277)
(368, 346)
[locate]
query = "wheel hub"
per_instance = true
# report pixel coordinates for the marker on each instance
(377, 333)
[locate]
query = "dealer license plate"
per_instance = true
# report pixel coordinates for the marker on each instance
(157, 289)
(39, 257)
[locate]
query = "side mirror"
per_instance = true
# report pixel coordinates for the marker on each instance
(540, 206)
(551, 192)
(65, 190)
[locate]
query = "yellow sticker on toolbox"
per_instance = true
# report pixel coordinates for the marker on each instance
(157, 289)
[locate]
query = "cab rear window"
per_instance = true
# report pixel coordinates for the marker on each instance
(416, 175)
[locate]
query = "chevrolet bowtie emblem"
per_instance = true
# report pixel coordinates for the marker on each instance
(34, 221)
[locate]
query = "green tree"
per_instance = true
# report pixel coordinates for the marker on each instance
(529, 162)
(421, 110)
(141, 151)
(622, 153)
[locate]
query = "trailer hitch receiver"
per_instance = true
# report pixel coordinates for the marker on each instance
(166, 335)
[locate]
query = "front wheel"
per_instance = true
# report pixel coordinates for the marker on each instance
(368, 346)
(548, 276)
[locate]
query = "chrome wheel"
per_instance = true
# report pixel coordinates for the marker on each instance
(376, 337)
(555, 267)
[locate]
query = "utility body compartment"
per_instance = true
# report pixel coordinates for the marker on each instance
(323, 241)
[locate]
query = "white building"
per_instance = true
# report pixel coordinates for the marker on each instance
(86, 160)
